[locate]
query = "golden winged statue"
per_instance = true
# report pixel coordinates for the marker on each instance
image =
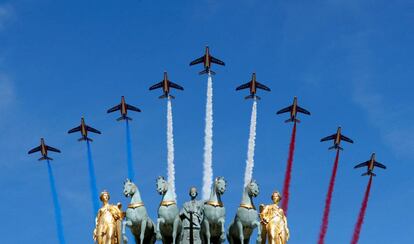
(274, 222)
(108, 222)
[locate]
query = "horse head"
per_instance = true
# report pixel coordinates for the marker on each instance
(129, 188)
(220, 185)
(162, 185)
(253, 189)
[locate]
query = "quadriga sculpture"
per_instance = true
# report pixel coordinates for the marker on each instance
(136, 217)
(246, 219)
(168, 223)
(213, 230)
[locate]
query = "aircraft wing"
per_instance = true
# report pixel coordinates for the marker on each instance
(380, 165)
(156, 86)
(261, 86)
(362, 164)
(117, 107)
(197, 61)
(344, 138)
(49, 148)
(74, 129)
(216, 61)
(88, 128)
(176, 86)
(244, 86)
(302, 110)
(332, 137)
(285, 110)
(132, 108)
(36, 149)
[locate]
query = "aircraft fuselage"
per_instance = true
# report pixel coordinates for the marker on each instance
(124, 110)
(43, 149)
(166, 85)
(207, 59)
(84, 132)
(293, 112)
(371, 163)
(253, 87)
(338, 137)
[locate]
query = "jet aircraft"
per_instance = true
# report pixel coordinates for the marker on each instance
(43, 148)
(83, 128)
(293, 109)
(166, 85)
(337, 138)
(253, 85)
(370, 164)
(123, 107)
(207, 60)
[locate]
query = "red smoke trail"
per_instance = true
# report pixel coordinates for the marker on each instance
(286, 185)
(325, 219)
(361, 215)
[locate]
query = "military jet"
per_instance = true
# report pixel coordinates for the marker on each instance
(207, 60)
(123, 107)
(83, 128)
(370, 164)
(43, 148)
(337, 138)
(253, 85)
(166, 84)
(293, 109)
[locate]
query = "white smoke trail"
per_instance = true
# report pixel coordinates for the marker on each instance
(208, 142)
(252, 143)
(170, 149)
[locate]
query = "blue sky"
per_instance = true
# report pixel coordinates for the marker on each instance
(349, 62)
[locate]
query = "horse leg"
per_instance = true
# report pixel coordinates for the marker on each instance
(223, 231)
(175, 229)
(157, 231)
(143, 227)
(229, 236)
(124, 224)
(259, 232)
(207, 233)
(240, 229)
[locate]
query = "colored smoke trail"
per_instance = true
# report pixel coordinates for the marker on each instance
(361, 216)
(248, 173)
(56, 204)
(131, 174)
(288, 174)
(170, 149)
(325, 219)
(92, 180)
(208, 142)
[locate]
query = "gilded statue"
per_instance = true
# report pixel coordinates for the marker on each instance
(274, 222)
(108, 222)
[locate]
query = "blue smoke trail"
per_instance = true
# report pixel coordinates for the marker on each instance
(92, 180)
(131, 174)
(58, 215)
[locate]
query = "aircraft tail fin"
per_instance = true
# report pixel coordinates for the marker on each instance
(85, 139)
(207, 71)
(292, 120)
(336, 147)
(166, 96)
(123, 118)
(368, 173)
(252, 96)
(45, 158)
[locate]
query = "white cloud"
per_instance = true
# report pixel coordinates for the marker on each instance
(396, 130)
